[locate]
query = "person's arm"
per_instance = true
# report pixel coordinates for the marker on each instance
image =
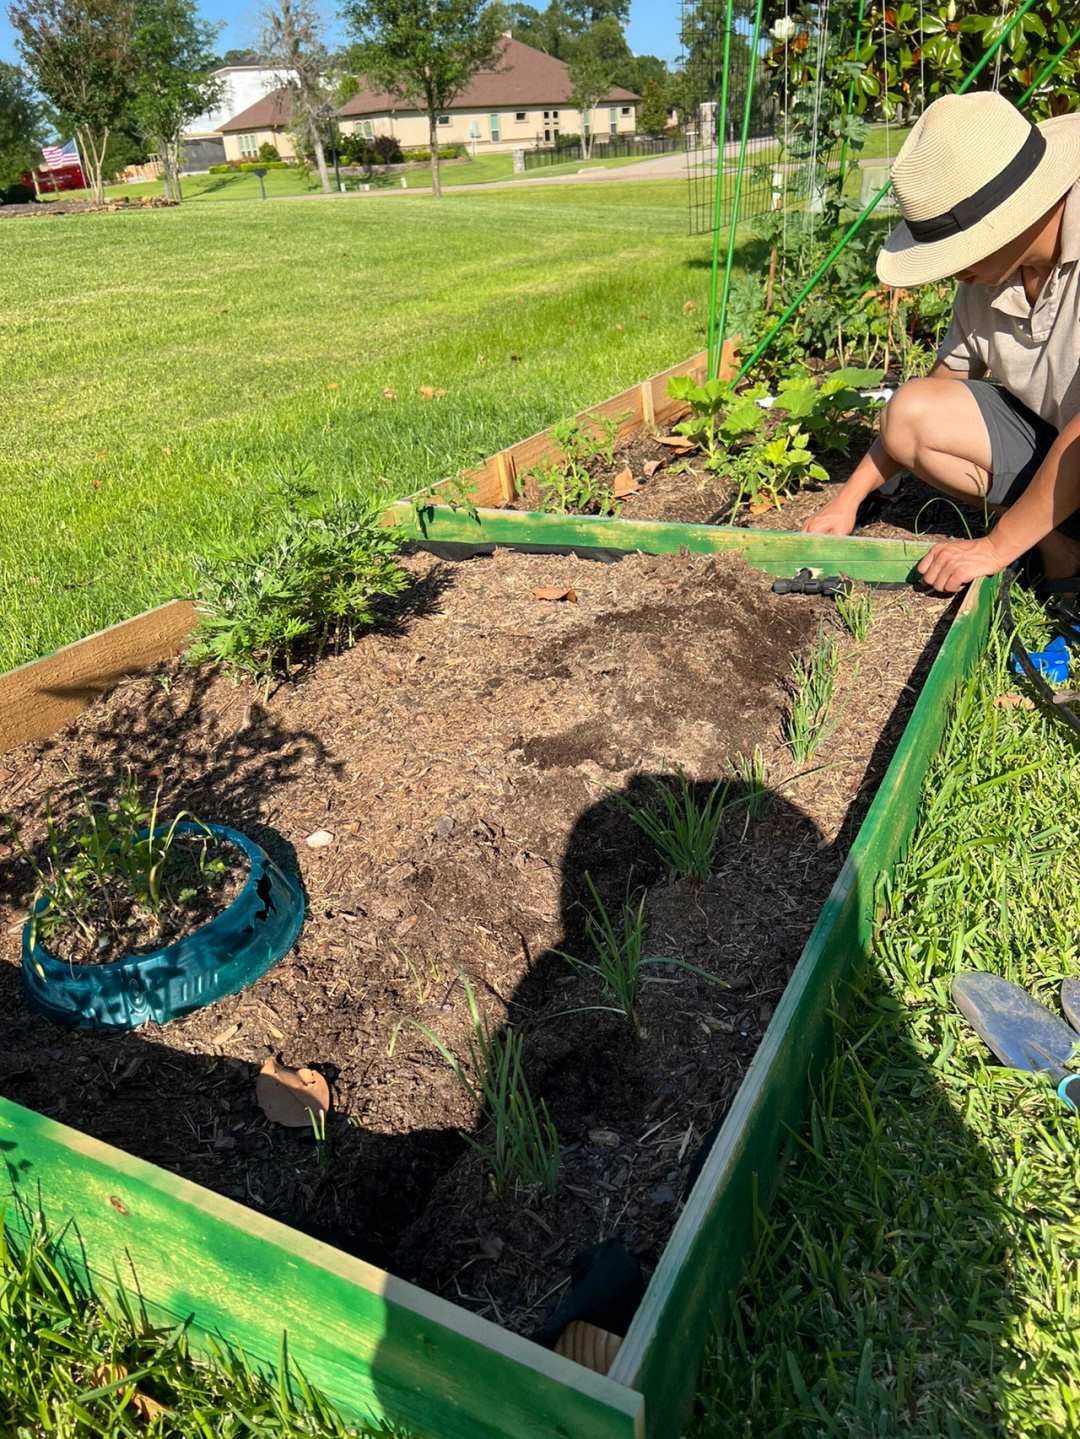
(1051, 497)
(875, 469)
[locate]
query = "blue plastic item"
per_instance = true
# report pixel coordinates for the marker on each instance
(227, 954)
(1052, 662)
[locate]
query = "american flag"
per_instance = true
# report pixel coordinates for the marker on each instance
(57, 156)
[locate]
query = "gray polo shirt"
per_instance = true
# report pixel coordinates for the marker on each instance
(1034, 351)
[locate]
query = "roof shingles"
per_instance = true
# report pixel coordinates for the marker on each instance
(522, 76)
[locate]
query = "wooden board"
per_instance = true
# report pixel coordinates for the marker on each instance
(777, 552)
(493, 483)
(380, 1348)
(41, 697)
(702, 1263)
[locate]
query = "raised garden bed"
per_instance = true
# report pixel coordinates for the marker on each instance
(477, 741)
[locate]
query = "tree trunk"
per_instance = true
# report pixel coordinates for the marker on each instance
(320, 158)
(89, 150)
(433, 147)
(584, 151)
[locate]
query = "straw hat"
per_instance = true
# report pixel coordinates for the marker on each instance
(973, 175)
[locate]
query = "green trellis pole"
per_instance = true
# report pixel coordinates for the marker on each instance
(859, 220)
(1069, 43)
(721, 126)
(714, 356)
(850, 99)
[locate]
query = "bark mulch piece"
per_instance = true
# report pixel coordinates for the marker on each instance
(470, 760)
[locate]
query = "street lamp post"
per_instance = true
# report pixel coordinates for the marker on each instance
(327, 111)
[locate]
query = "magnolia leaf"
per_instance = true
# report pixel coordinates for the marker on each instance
(625, 484)
(389, 394)
(689, 308)
(679, 443)
(291, 1097)
(1013, 702)
(650, 467)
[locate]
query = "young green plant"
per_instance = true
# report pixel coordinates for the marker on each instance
(618, 958)
(524, 1145)
(855, 612)
(685, 833)
(813, 682)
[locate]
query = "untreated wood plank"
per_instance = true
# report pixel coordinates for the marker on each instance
(39, 698)
(377, 1347)
(702, 1264)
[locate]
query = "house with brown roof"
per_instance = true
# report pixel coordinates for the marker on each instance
(267, 120)
(522, 102)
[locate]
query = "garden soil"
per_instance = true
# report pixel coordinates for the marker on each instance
(473, 758)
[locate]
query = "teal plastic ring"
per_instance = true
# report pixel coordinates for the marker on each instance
(223, 957)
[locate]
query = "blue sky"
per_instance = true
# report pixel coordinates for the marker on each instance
(653, 28)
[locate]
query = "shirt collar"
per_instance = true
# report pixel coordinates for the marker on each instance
(1011, 298)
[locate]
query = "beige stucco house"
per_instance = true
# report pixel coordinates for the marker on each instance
(524, 101)
(266, 120)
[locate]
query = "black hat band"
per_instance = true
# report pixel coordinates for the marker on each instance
(966, 213)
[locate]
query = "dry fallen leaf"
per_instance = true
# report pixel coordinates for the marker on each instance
(97, 484)
(389, 394)
(625, 484)
(439, 394)
(333, 385)
(618, 327)
(428, 391)
(291, 1096)
(319, 839)
(679, 443)
(1013, 702)
(553, 592)
(650, 468)
(689, 308)
(147, 1408)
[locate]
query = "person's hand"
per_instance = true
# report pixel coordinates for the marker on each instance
(950, 566)
(831, 519)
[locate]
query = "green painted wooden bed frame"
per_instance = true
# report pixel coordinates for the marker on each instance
(383, 1350)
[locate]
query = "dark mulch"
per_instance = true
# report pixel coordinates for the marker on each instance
(470, 759)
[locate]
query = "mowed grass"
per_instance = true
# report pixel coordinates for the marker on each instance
(241, 185)
(161, 369)
(919, 1271)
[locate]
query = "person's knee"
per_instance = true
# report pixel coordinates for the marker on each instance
(907, 419)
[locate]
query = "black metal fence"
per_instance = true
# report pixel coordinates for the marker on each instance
(568, 147)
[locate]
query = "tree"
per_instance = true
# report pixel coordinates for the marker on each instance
(425, 52)
(23, 125)
(80, 55)
(174, 83)
(653, 110)
(596, 57)
(293, 42)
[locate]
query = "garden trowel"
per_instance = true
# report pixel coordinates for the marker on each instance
(1023, 1033)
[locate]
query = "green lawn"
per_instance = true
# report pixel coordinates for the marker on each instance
(162, 368)
(237, 185)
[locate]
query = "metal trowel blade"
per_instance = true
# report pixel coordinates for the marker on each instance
(1010, 1021)
(1070, 1001)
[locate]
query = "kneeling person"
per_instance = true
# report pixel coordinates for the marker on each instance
(996, 423)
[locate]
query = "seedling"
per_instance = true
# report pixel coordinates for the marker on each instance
(854, 612)
(752, 775)
(813, 683)
(322, 1148)
(718, 416)
(102, 854)
(685, 833)
(619, 961)
(828, 410)
(525, 1145)
(777, 467)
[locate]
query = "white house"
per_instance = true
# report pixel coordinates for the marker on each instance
(242, 86)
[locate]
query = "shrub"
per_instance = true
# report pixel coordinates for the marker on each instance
(306, 583)
(17, 194)
(268, 154)
(357, 149)
(244, 167)
(446, 152)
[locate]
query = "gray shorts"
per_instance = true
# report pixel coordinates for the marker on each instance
(1019, 441)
